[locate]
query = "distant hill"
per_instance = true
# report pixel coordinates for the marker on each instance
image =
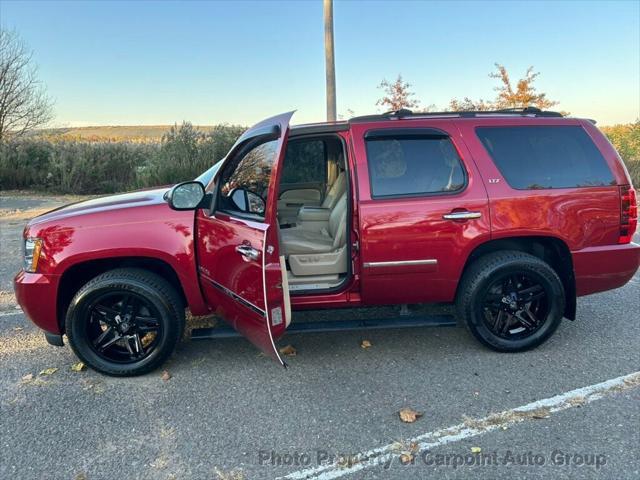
(134, 133)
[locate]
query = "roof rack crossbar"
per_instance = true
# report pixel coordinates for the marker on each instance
(406, 113)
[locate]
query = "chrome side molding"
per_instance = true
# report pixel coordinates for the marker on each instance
(401, 263)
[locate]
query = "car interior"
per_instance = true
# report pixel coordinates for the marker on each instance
(312, 212)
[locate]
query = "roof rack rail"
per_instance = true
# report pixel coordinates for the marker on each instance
(406, 113)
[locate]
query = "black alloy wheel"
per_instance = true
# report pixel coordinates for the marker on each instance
(511, 301)
(125, 322)
(515, 306)
(124, 327)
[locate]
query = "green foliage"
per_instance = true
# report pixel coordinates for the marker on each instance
(106, 167)
(96, 168)
(185, 152)
(24, 164)
(626, 139)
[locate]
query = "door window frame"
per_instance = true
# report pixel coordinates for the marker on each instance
(412, 133)
(241, 149)
(352, 199)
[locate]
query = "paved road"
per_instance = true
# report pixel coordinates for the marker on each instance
(226, 407)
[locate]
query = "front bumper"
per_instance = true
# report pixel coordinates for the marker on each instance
(604, 268)
(37, 296)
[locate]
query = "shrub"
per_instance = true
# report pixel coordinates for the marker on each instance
(24, 164)
(80, 167)
(186, 152)
(105, 167)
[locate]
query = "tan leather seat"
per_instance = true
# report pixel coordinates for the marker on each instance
(338, 187)
(315, 218)
(336, 191)
(301, 241)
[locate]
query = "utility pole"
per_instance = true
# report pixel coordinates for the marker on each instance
(330, 64)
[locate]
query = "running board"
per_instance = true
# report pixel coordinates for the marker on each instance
(337, 326)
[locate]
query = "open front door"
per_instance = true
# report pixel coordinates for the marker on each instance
(240, 268)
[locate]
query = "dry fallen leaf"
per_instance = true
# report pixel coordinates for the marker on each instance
(49, 371)
(406, 458)
(165, 376)
(476, 449)
(78, 367)
(408, 415)
(407, 451)
(365, 344)
(289, 351)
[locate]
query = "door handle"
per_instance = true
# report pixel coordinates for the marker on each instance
(465, 215)
(248, 252)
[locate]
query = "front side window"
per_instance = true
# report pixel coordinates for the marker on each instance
(413, 166)
(244, 184)
(538, 157)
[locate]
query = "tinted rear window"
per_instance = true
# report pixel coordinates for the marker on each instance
(536, 157)
(413, 166)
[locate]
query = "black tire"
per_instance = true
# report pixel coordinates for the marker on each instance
(159, 318)
(481, 297)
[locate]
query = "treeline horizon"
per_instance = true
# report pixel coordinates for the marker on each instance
(60, 165)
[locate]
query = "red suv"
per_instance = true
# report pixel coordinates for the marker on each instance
(510, 215)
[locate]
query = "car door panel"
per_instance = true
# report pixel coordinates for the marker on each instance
(240, 267)
(294, 196)
(412, 249)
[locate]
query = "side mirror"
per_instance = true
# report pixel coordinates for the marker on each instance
(186, 196)
(246, 201)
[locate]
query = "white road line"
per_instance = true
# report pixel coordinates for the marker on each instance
(386, 454)
(8, 314)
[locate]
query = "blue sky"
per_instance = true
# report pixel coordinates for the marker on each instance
(160, 62)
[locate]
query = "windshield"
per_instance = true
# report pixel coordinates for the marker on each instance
(206, 177)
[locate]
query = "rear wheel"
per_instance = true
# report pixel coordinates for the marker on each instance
(125, 322)
(511, 301)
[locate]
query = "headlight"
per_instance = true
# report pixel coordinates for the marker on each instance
(32, 247)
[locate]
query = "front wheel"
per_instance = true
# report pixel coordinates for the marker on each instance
(511, 301)
(125, 322)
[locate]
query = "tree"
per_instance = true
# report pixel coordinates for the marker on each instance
(523, 95)
(24, 104)
(397, 95)
(467, 104)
